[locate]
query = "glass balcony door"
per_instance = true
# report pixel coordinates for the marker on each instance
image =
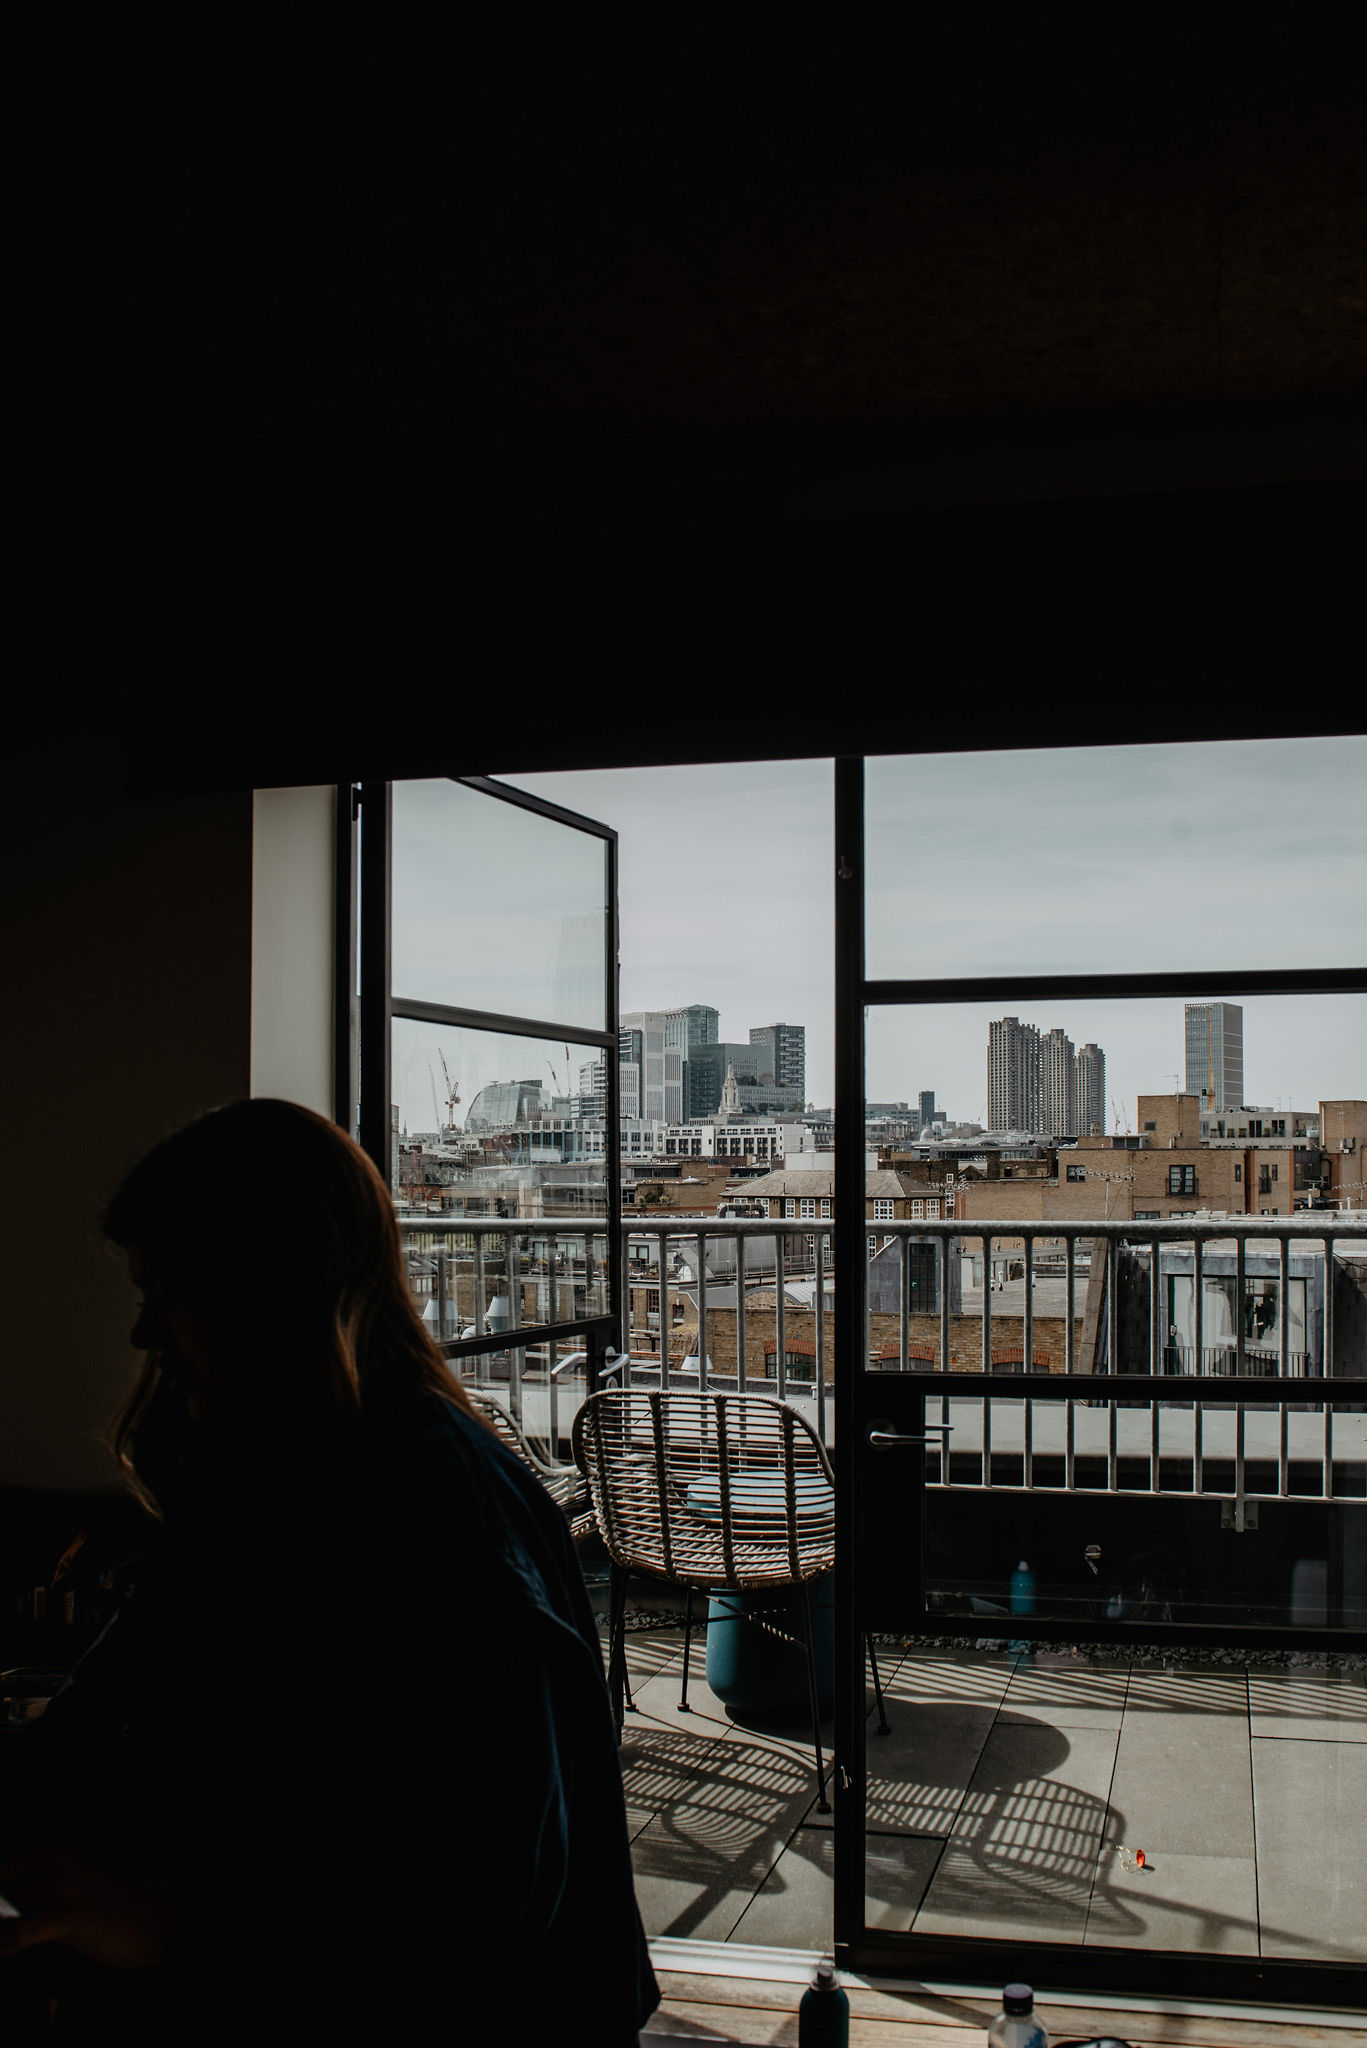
(990, 1835)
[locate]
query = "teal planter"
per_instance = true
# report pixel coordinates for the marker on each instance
(751, 1669)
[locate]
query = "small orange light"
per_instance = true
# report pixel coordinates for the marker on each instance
(1139, 1858)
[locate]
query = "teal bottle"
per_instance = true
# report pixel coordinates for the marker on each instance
(823, 2018)
(1022, 1602)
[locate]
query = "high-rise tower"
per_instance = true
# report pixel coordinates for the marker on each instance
(786, 1047)
(1091, 1091)
(1215, 1054)
(1013, 1075)
(1059, 1084)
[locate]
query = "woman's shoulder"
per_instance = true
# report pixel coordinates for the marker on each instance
(444, 1460)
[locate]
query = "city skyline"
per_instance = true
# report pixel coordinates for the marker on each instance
(726, 898)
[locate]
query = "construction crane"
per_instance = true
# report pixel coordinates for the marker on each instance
(1122, 1127)
(555, 1078)
(452, 1092)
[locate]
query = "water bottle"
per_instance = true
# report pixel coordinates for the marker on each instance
(1022, 1602)
(823, 2017)
(1015, 2025)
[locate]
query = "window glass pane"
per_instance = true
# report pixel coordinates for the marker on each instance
(1224, 856)
(1053, 1118)
(496, 908)
(493, 1125)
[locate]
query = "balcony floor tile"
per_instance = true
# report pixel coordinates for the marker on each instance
(1310, 1801)
(1206, 1903)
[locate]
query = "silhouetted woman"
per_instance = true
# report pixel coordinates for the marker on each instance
(344, 1759)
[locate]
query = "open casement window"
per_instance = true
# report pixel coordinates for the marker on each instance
(488, 1099)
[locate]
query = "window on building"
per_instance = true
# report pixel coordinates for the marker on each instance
(918, 1210)
(807, 1207)
(1238, 1173)
(790, 1208)
(1146, 1216)
(1077, 1173)
(825, 1208)
(1181, 1180)
(882, 1210)
(932, 1209)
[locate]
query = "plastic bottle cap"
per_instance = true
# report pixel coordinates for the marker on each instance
(1022, 1566)
(824, 1979)
(1018, 1998)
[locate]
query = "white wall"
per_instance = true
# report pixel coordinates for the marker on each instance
(293, 886)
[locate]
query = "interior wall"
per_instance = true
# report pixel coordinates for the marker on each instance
(128, 955)
(293, 888)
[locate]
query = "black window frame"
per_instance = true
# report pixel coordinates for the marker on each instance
(876, 1951)
(363, 957)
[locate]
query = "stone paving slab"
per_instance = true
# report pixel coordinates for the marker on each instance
(1191, 1903)
(1023, 1854)
(1310, 1799)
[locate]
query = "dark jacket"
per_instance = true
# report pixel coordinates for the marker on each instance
(368, 1732)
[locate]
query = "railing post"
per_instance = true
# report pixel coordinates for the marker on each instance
(1028, 1347)
(480, 1315)
(904, 1305)
(702, 1314)
(515, 1354)
(740, 1311)
(987, 1305)
(780, 1317)
(663, 1253)
(819, 1310)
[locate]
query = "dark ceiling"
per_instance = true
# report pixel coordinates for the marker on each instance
(385, 381)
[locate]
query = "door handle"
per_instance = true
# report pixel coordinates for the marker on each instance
(884, 1437)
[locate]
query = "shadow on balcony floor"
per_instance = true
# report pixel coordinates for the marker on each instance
(1009, 1799)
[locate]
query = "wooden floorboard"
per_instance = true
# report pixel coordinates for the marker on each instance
(750, 2010)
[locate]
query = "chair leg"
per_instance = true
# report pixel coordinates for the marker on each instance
(883, 1728)
(618, 1686)
(823, 1804)
(688, 1640)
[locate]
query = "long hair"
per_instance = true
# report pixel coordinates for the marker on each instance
(277, 1232)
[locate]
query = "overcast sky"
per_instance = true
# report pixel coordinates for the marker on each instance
(1249, 854)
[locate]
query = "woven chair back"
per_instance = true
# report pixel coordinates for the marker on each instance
(563, 1483)
(708, 1489)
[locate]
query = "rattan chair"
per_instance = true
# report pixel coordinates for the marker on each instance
(711, 1492)
(564, 1483)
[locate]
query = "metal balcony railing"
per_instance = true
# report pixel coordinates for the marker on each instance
(1270, 1439)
